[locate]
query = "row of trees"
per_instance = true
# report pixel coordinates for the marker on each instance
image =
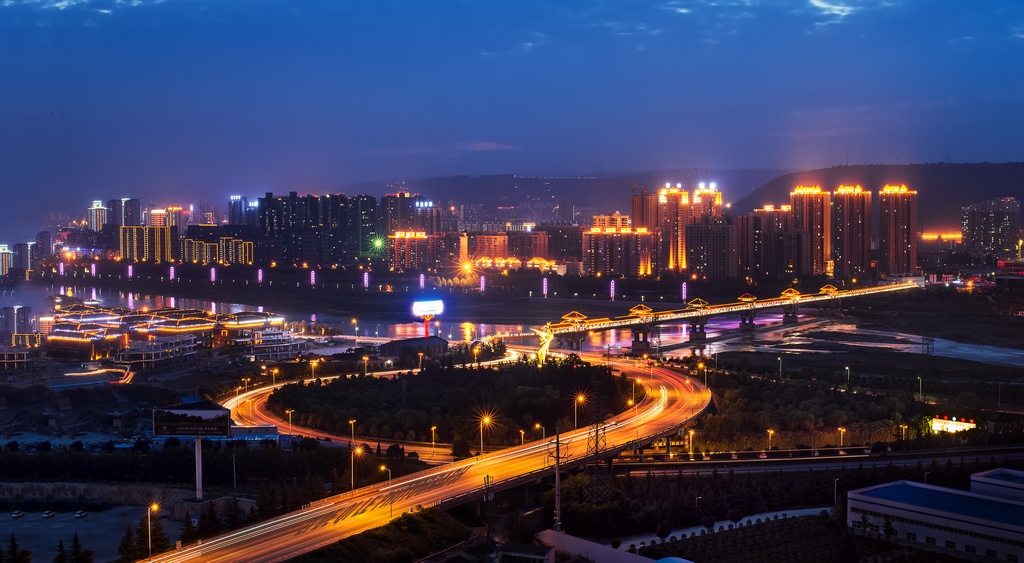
(74, 553)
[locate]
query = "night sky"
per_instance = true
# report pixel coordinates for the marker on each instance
(180, 100)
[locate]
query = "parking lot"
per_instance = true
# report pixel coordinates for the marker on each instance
(99, 531)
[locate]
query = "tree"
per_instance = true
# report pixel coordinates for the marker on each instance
(233, 518)
(460, 447)
(663, 529)
(62, 556)
(188, 531)
(15, 554)
(887, 528)
(865, 521)
(209, 524)
(126, 549)
(79, 554)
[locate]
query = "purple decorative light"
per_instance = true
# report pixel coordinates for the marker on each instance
(131, 301)
(213, 274)
(94, 293)
(613, 290)
(684, 291)
(92, 269)
(171, 301)
(483, 284)
(130, 270)
(366, 280)
(312, 277)
(259, 275)
(60, 268)
(260, 308)
(545, 287)
(423, 281)
(171, 273)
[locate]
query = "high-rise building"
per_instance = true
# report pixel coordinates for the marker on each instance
(427, 217)
(147, 244)
(363, 235)
(23, 256)
(643, 210)
(711, 247)
(851, 231)
(620, 252)
(396, 212)
(238, 207)
(156, 218)
(97, 216)
(674, 214)
(487, 245)
(16, 320)
(705, 200)
(565, 242)
(6, 260)
(614, 221)
(897, 230)
(526, 245)
(44, 244)
(566, 211)
(811, 209)
(124, 212)
(992, 226)
(760, 242)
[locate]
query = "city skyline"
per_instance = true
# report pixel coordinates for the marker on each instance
(207, 100)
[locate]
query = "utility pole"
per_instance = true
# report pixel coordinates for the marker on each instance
(558, 483)
(234, 472)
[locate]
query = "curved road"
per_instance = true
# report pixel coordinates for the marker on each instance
(671, 400)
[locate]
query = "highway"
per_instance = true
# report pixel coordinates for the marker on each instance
(671, 400)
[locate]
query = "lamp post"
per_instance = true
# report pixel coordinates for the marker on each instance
(691, 445)
(476, 355)
(483, 421)
(365, 369)
(391, 493)
(770, 433)
(433, 437)
(250, 409)
(355, 331)
(635, 427)
(702, 368)
(780, 366)
(903, 429)
(245, 380)
(575, 419)
(149, 522)
(835, 491)
(421, 360)
(274, 376)
(920, 390)
(312, 368)
(290, 411)
(352, 471)
(522, 437)
(376, 331)
(847, 378)
(842, 433)
(543, 431)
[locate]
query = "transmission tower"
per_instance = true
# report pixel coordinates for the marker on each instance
(598, 473)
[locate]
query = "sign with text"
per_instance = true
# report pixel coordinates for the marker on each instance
(191, 421)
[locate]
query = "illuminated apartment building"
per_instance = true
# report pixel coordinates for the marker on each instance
(851, 231)
(147, 244)
(705, 200)
(897, 230)
(97, 216)
(620, 251)
(811, 210)
(674, 215)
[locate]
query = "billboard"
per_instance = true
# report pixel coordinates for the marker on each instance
(192, 420)
(427, 308)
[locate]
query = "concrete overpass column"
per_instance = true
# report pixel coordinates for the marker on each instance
(697, 329)
(640, 343)
(747, 320)
(789, 314)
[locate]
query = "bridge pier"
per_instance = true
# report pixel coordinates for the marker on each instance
(697, 333)
(640, 343)
(747, 320)
(789, 314)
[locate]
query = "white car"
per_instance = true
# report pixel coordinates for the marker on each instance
(48, 514)
(17, 514)
(81, 514)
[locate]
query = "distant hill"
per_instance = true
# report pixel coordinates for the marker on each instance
(607, 192)
(942, 189)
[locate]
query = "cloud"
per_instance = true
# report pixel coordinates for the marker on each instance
(476, 146)
(456, 149)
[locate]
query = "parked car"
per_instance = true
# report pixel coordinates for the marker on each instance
(17, 514)
(48, 514)
(81, 514)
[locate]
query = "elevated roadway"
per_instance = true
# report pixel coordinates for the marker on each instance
(672, 400)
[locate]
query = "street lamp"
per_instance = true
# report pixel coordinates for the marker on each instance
(246, 381)
(903, 427)
(432, 438)
(770, 433)
(274, 377)
(780, 366)
(543, 431)
(835, 491)
(376, 331)
(365, 369)
(352, 473)
(476, 355)
(522, 437)
(391, 493)
(702, 368)
(312, 368)
(579, 401)
(149, 521)
(290, 411)
(421, 360)
(842, 433)
(483, 421)
(691, 445)
(355, 331)
(920, 391)
(847, 378)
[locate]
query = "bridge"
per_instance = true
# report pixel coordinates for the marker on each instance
(574, 328)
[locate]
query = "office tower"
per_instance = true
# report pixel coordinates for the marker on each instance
(620, 252)
(705, 200)
(614, 221)
(334, 231)
(238, 206)
(147, 244)
(427, 217)
(711, 247)
(176, 217)
(565, 242)
(6, 260)
(811, 209)
(156, 218)
(992, 226)
(897, 230)
(674, 214)
(363, 235)
(97, 216)
(851, 231)
(16, 320)
(23, 256)
(124, 212)
(566, 211)
(409, 250)
(643, 210)
(44, 244)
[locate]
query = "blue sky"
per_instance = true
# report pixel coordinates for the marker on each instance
(105, 98)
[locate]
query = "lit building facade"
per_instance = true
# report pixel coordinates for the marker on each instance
(760, 241)
(711, 251)
(674, 214)
(897, 230)
(620, 252)
(147, 244)
(851, 231)
(97, 216)
(992, 226)
(811, 209)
